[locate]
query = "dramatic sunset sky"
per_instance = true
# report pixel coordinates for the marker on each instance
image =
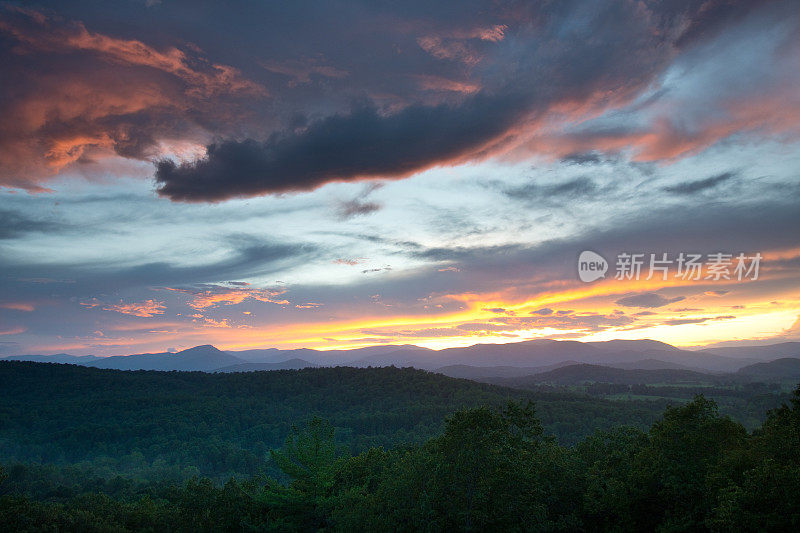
(342, 174)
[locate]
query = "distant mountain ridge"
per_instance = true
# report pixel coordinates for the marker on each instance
(786, 367)
(545, 352)
(55, 358)
(653, 364)
(479, 360)
(583, 373)
(204, 358)
(768, 351)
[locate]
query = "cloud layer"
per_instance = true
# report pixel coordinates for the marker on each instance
(454, 159)
(419, 87)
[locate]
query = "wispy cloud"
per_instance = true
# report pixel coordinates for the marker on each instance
(145, 309)
(648, 299)
(693, 187)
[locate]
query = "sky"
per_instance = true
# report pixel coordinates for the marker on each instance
(345, 174)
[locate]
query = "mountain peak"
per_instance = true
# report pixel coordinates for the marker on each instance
(203, 348)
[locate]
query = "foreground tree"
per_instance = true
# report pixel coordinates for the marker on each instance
(608, 459)
(766, 497)
(308, 460)
(489, 470)
(677, 476)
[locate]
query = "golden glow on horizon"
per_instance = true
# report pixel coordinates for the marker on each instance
(316, 334)
(756, 326)
(747, 311)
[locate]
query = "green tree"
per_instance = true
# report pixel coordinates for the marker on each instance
(607, 458)
(489, 470)
(309, 461)
(767, 496)
(675, 480)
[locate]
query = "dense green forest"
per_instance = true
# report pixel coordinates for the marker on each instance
(745, 401)
(377, 449)
(179, 424)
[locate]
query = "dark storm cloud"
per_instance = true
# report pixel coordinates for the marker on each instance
(363, 143)
(616, 50)
(692, 187)
(648, 300)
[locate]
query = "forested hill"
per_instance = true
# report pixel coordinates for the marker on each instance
(580, 373)
(224, 424)
(66, 431)
(785, 368)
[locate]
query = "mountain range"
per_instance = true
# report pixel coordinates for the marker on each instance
(477, 361)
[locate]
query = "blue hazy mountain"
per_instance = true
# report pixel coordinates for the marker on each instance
(767, 352)
(205, 358)
(519, 358)
(55, 358)
(783, 368)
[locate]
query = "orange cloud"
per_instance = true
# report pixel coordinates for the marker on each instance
(456, 45)
(231, 296)
(438, 83)
(137, 97)
(145, 309)
(17, 306)
(53, 36)
(775, 113)
(215, 323)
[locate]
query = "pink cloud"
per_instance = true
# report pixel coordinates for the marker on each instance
(17, 306)
(438, 83)
(300, 71)
(146, 309)
(13, 331)
(135, 98)
(218, 296)
(52, 35)
(349, 262)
